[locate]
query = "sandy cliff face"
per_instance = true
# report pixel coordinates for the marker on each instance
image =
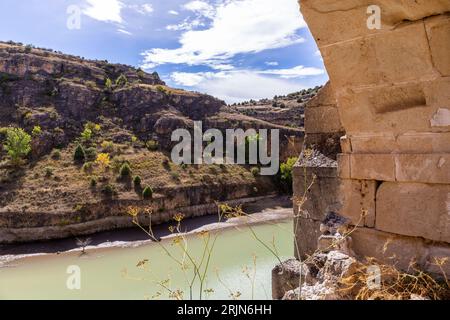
(392, 90)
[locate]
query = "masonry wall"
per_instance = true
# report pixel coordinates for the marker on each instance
(316, 181)
(392, 88)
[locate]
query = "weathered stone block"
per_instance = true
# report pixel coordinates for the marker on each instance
(344, 166)
(437, 261)
(397, 56)
(438, 30)
(307, 233)
(334, 21)
(322, 119)
(388, 248)
(325, 97)
(410, 142)
(315, 196)
(358, 201)
(427, 168)
(288, 276)
(346, 145)
(372, 167)
(384, 109)
(437, 92)
(414, 209)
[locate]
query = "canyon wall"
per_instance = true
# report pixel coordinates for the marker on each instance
(392, 89)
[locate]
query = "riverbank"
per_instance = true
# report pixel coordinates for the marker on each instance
(260, 211)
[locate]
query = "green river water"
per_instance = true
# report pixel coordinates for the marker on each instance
(112, 273)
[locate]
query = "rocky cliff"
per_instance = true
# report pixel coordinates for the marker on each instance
(130, 116)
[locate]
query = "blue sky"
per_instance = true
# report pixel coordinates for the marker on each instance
(233, 49)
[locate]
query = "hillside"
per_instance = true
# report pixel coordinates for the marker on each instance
(64, 101)
(288, 110)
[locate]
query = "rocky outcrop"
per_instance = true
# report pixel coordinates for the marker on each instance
(392, 91)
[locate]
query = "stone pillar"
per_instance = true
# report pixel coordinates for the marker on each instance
(392, 87)
(316, 181)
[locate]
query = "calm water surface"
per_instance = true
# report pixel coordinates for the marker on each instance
(113, 273)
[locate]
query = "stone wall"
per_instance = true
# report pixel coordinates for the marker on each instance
(392, 88)
(316, 181)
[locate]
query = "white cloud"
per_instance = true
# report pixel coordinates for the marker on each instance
(246, 26)
(187, 24)
(104, 10)
(272, 63)
(237, 85)
(173, 12)
(147, 8)
(124, 32)
(295, 72)
(201, 7)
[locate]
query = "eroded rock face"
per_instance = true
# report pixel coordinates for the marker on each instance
(392, 92)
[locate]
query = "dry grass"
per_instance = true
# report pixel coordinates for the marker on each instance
(395, 284)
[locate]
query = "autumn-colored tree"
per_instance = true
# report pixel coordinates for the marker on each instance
(103, 160)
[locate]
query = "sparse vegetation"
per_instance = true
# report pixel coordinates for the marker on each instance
(37, 131)
(255, 171)
(90, 154)
(125, 171)
(152, 145)
(286, 173)
(79, 154)
(109, 190)
(121, 81)
(147, 193)
(103, 161)
(137, 181)
(18, 144)
(56, 155)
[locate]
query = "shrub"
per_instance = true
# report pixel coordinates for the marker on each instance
(125, 170)
(108, 84)
(93, 182)
(121, 81)
(36, 131)
(286, 173)
(86, 135)
(107, 146)
(147, 193)
(152, 145)
(255, 171)
(48, 172)
(79, 154)
(56, 155)
(161, 89)
(91, 154)
(175, 175)
(137, 181)
(18, 144)
(103, 160)
(87, 167)
(109, 190)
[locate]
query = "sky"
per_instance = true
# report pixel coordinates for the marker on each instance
(235, 50)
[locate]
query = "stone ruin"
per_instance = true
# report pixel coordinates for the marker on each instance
(388, 101)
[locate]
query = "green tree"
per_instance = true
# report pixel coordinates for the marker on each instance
(108, 84)
(147, 193)
(286, 173)
(79, 155)
(18, 144)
